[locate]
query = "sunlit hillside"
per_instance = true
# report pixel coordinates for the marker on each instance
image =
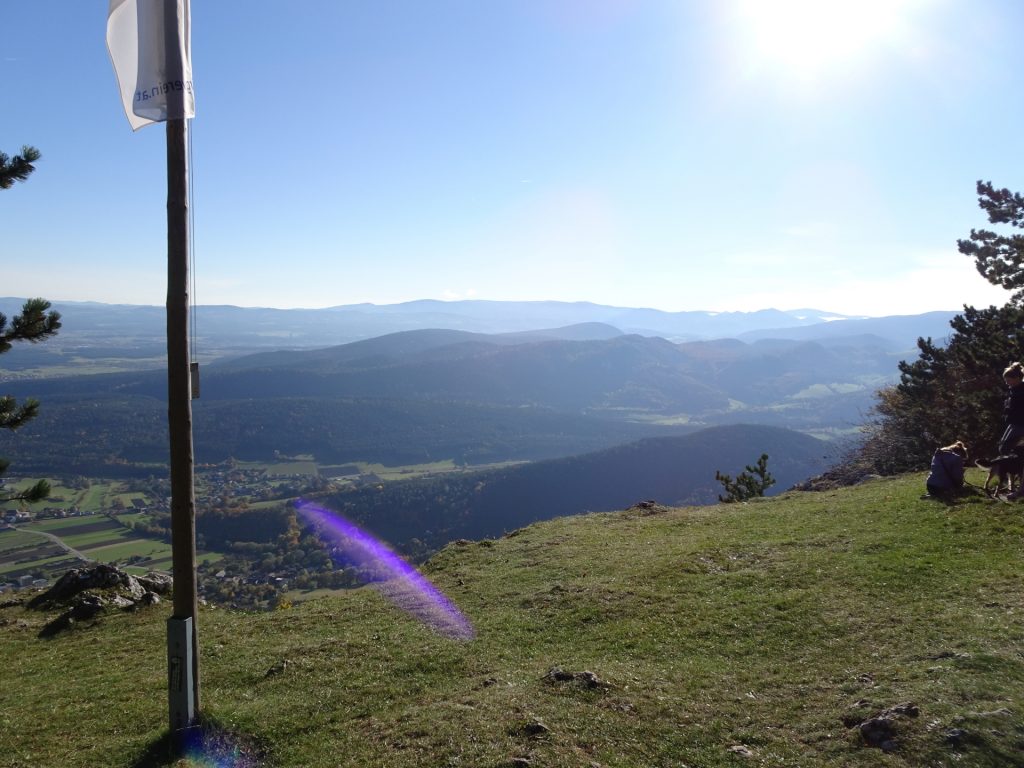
(860, 627)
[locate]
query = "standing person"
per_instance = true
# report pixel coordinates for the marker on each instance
(1013, 409)
(946, 476)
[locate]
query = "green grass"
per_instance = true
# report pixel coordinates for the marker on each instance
(134, 517)
(411, 471)
(55, 526)
(95, 497)
(98, 538)
(775, 625)
(98, 497)
(141, 547)
(112, 542)
(38, 563)
(15, 539)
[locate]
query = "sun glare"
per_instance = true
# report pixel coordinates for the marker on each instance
(808, 41)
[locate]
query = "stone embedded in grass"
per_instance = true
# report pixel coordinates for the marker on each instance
(279, 668)
(648, 507)
(584, 679)
(907, 709)
(741, 750)
(881, 731)
(83, 608)
(957, 737)
(534, 728)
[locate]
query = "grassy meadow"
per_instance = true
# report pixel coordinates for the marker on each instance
(756, 634)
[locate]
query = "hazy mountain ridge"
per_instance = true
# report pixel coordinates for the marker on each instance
(328, 401)
(934, 325)
(626, 371)
(442, 393)
(139, 330)
(623, 372)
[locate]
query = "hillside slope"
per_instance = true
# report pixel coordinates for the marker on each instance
(755, 634)
(669, 470)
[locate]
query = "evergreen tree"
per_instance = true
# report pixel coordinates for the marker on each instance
(952, 392)
(17, 168)
(999, 258)
(35, 323)
(747, 485)
(955, 392)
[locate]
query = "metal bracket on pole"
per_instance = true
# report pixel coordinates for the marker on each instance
(179, 673)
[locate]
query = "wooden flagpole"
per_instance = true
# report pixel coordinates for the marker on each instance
(183, 643)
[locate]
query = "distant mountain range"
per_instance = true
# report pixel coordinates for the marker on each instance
(429, 395)
(120, 334)
(291, 382)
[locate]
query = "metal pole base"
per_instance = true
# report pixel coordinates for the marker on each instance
(179, 674)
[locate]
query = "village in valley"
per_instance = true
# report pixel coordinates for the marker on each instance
(117, 522)
(126, 523)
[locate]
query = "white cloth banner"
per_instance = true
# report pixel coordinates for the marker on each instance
(150, 46)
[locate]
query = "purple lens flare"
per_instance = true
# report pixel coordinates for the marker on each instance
(399, 581)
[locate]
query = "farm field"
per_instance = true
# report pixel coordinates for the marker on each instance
(46, 547)
(15, 539)
(31, 548)
(302, 465)
(98, 496)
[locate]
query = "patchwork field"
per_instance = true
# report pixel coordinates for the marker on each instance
(98, 496)
(43, 548)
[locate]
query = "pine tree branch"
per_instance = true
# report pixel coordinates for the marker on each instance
(14, 416)
(17, 168)
(37, 492)
(35, 323)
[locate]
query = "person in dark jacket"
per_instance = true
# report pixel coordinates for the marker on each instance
(946, 476)
(1013, 409)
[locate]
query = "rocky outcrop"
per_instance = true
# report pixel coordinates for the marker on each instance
(86, 593)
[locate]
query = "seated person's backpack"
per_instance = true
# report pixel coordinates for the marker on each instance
(946, 474)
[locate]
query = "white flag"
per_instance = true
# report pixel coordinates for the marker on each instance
(150, 47)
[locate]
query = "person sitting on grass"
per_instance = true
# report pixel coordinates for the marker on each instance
(946, 475)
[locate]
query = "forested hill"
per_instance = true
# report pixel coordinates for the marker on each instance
(425, 396)
(610, 374)
(669, 470)
(625, 371)
(122, 436)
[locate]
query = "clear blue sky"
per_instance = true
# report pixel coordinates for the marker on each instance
(713, 154)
